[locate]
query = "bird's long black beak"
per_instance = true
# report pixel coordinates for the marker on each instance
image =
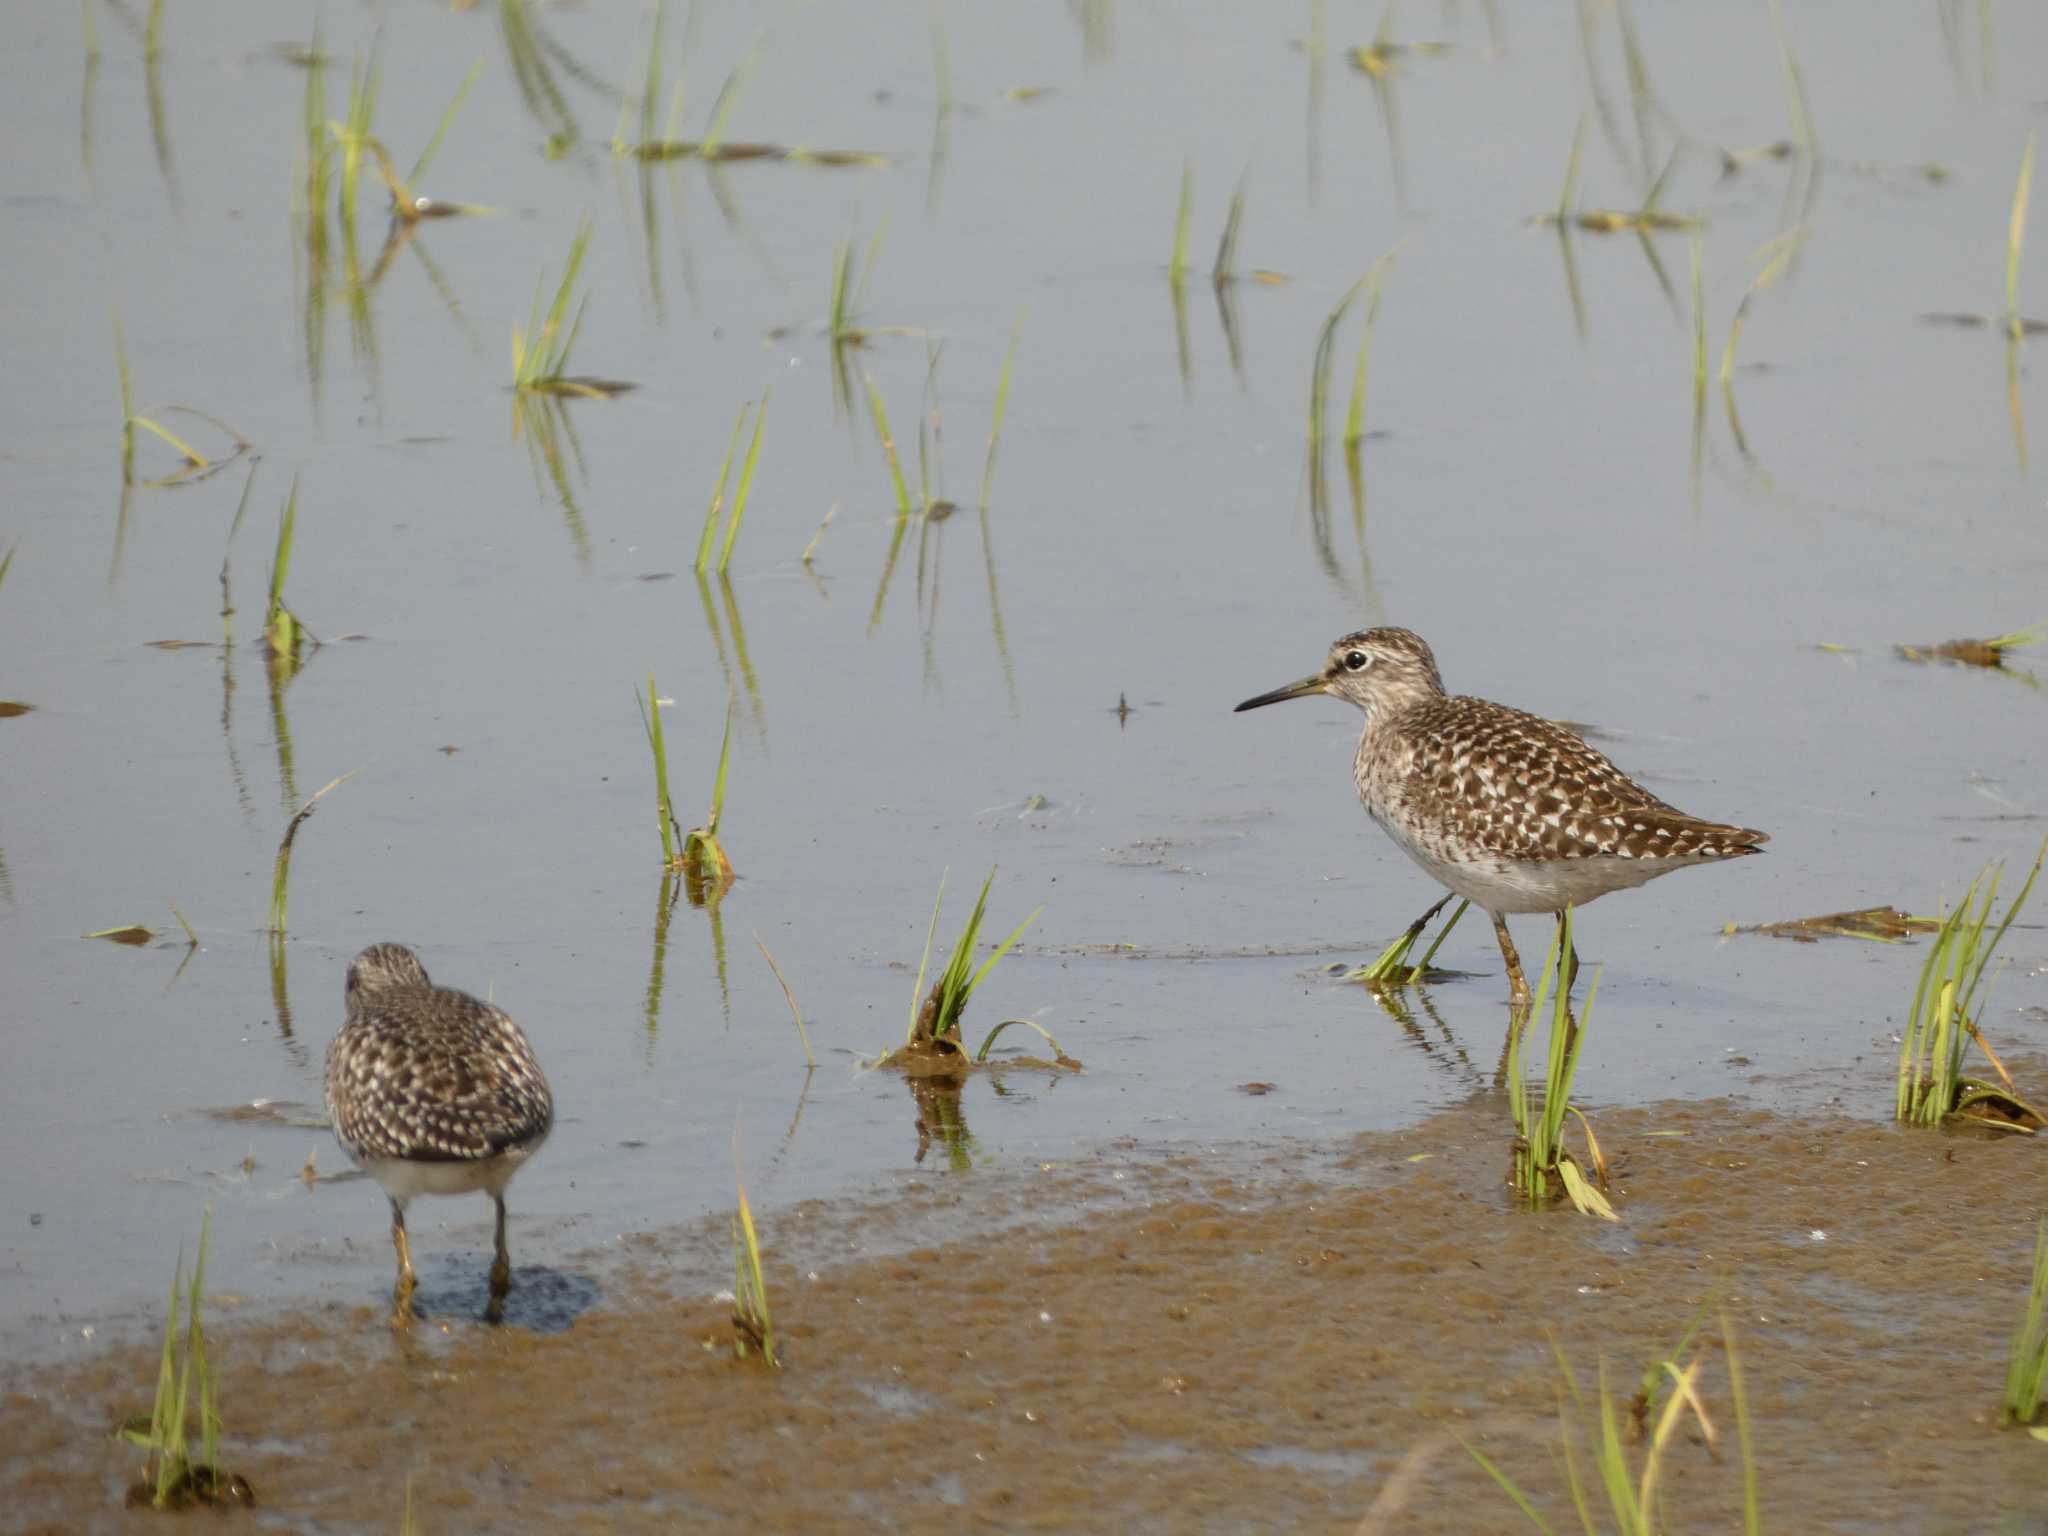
(1301, 690)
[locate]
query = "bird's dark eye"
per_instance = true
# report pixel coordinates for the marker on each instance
(1356, 661)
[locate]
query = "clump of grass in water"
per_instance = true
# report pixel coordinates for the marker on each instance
(707, 871)
(283, 632)
(935, 1017)
(1634, 1496)
(1392, 969)
(739, 502)
(177, 1474)
(2026, 1373)
(1989, 653)
(193, 465)
(541, 351)
(753, 1329)
(1946, 1007)
(1541, 1164)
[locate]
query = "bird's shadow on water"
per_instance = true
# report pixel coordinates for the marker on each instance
(541, 1300)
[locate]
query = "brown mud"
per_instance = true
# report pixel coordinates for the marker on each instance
(1272, 1338)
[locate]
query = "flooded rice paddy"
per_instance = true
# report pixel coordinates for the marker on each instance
(1200, 1283)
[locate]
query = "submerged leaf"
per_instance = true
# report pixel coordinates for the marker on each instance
(133, 934)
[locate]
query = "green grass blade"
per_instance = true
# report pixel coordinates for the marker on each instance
(2016, 234)
(739, 501)
(1226, 247)
(724, 766)
(441, 128)
(995, 430)
(710, 533)
(881, 415)
(931, 931)
(657, 742)
(1177, 267)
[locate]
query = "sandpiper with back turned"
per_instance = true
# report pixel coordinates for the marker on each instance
(433, 1092)
(1513, 812)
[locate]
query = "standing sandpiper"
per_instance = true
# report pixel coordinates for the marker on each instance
(1509, 810)
(433, 1092)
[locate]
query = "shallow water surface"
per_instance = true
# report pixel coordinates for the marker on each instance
(1535, 495)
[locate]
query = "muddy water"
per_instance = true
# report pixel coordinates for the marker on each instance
(1247, 1340)
(1532, 500)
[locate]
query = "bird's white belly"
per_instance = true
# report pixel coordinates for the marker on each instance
(404, 1177)
(1503, 885)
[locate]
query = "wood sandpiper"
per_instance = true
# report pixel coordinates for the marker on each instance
(433, 1092)
(1513, 812)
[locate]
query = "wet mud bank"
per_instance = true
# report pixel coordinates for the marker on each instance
(1275, 1337)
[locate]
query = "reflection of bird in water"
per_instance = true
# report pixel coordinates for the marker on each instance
(433, 1092)
(1509, 810)
(1450, 1055)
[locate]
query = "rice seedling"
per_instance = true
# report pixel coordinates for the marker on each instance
(1375, 283)
(1224, 269)
(2026, 1371)
(153, 87)
(193, 464)
(753, 1329)
(2015, 238)
(283, 633)
(1541, 1163)
(811, 549)
(664, 802)
(880, 412)
(281, 871)
(703, 857)
(935, 1017)
(177, 1473)
(1319, 373)
(1777, 254)
(1947, 1011)
(1632, 1493)
(1382, 56)
(541, 351)
(7, 561)
(1177, 263)
(698, 852)
(789, 996)
(1990, 653)
(995, 426)
(739, 503)
(1392, 969)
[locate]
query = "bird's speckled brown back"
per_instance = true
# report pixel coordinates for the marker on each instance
(1482, 777)
(427, 1073)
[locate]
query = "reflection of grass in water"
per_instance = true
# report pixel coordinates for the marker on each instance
(543, 421)
(2026, 1370)
(535, 57)
(1945, 1013)
(657, 974)
(1777, 254)
(1542, 1166)
(1634, 1497)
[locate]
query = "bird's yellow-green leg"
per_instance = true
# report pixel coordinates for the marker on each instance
(1518, 984)
(501, 1272)
(401, 1294)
